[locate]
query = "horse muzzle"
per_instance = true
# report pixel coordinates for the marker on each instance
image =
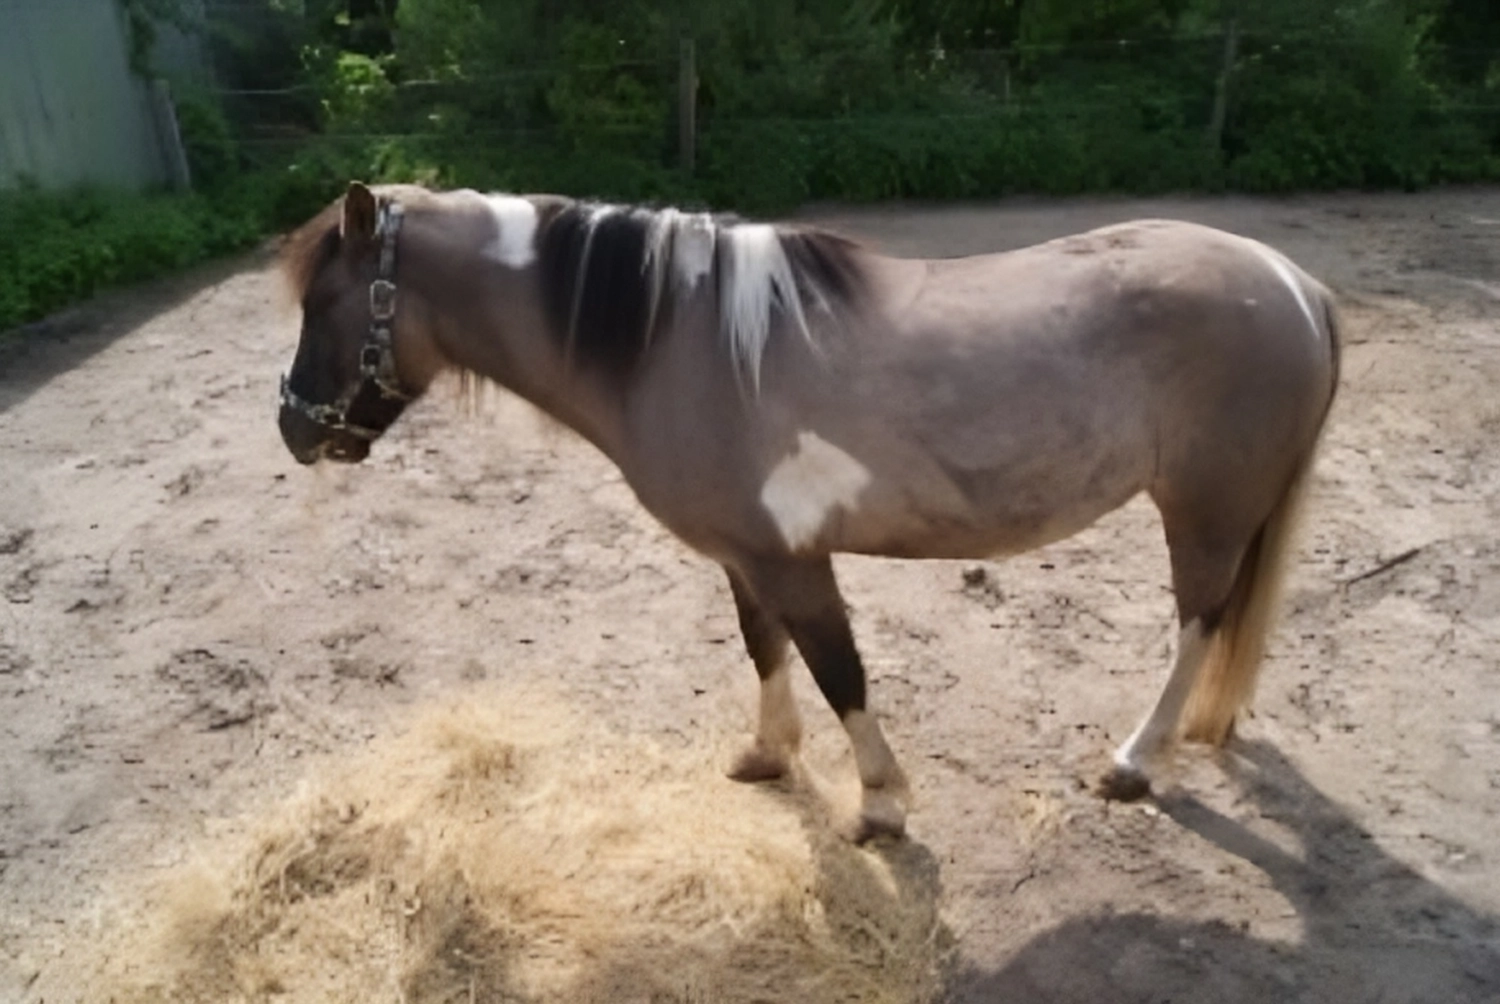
(309, 442)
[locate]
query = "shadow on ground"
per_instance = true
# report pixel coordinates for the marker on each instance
(1374, 931)
(33, 354)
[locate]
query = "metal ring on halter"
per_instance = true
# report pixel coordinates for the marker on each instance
(377, 355)
(330, 416)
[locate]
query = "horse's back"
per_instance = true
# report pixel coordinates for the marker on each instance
(1008, 400)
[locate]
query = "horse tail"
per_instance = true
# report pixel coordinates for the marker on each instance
(1226, 682)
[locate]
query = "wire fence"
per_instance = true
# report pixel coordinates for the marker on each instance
(1176, 85)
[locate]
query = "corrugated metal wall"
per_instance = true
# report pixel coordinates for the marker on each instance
(71, 110)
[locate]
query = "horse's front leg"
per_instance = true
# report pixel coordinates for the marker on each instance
(779, 731)
(804, 596)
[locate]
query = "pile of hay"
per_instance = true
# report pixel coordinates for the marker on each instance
(499, 852)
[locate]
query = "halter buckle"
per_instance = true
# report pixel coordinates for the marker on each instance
(382, 300)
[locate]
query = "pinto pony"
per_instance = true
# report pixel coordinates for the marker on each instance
(775, 394)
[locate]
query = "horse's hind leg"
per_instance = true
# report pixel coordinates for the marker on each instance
(1203, 574)
(779, 731)
(1128, 778)
(804, 597)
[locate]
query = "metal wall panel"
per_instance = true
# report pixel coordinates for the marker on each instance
(71, 110)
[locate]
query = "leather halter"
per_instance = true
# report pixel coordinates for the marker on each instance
(377, 357)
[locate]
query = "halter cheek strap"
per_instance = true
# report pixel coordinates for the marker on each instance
(377, 355)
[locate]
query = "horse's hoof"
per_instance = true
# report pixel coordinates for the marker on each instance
(759, 764)
(1124, 784)
(880, 815)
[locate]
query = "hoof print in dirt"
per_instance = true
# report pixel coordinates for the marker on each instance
(12, 541)
(980, 586)
(13, 660)
(220, 692)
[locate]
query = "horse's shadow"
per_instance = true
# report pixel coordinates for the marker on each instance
(1373, 929)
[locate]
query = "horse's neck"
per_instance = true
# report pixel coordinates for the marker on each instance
(504, 337)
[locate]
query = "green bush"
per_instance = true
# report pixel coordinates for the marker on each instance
(56, 248)
(208, 138)
(797, 100)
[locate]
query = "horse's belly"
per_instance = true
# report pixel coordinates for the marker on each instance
(990, 521)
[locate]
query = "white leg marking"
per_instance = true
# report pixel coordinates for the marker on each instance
(808, 485)
(514, 243)
(780, 728)
(1283, 270)
(877, 765)
(1153, 734)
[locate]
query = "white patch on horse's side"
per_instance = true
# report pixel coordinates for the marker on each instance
(693, 238)
(808, 485)
(1283, 270)
(514, 245)
(760, 276)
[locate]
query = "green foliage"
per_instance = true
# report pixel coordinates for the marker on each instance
(56, 248)
(796, 100)
(208, 138)
(142, 20)
(356, 93)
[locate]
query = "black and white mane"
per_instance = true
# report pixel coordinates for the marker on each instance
(613, 275)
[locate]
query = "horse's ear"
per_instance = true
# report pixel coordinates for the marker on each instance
(357, 226)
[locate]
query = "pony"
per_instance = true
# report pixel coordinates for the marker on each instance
(775, 394)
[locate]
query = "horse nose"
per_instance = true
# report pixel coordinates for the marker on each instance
(297, 434)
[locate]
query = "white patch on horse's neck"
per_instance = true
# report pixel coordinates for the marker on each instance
(759, 277)
(808, 486)
(1283, 270)
(514, 243)
(693, 238)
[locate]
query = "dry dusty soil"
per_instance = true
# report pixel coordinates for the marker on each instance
(189, 622)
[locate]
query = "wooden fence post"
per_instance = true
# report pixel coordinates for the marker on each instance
(687, 105)
(1221, 87)
(169, 136)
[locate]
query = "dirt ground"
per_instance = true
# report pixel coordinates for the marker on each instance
(190, 623)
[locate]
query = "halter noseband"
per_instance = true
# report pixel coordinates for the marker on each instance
(377, 357)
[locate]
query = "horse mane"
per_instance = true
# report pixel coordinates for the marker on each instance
(612, 276)
(309, 248)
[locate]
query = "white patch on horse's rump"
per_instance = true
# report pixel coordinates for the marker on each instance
(809, 485)
(1284, 272)
(514, 244)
